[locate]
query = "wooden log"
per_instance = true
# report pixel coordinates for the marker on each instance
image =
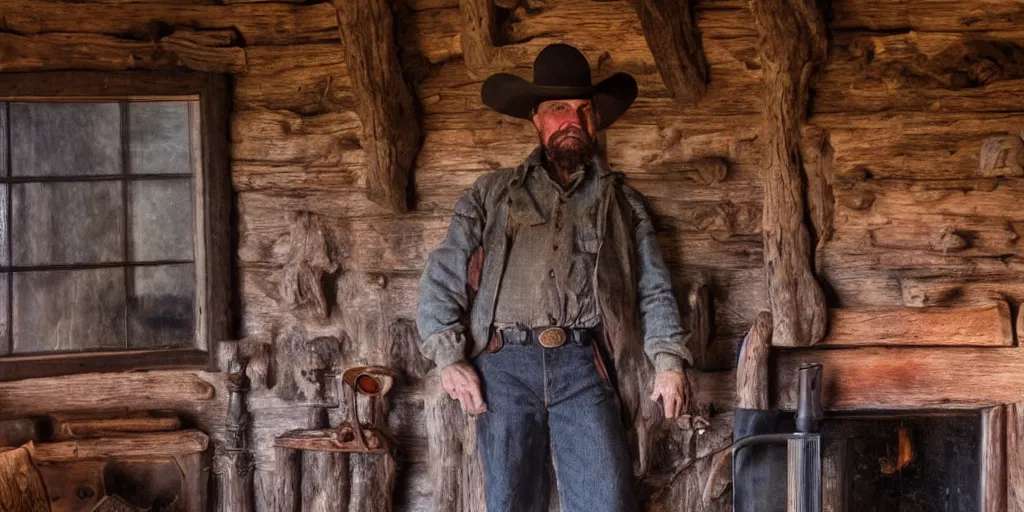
(906, 378)
(944, 291)
(1015, 457)
(258, 24)
(21, 488)
(701, 324)
(111, 423)
(676, 46)
(195, 470)
(326, 479)
(149, 445)
(932, 16)
(391, 131)
(989, 326)
(792, 45)
(278, 137)
(85, 392)
(287, 480)
(307, 79)
(479, 35)
(752, 370)
(208, 51)
(993, 482)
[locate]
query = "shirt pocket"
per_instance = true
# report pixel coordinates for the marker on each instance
(587, 239)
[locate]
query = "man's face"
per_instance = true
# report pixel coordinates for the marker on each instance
(568, 130)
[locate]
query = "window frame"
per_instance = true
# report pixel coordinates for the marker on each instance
(212, 203)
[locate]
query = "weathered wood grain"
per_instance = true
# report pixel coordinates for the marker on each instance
(676, 45)
(993, 459)
(147, 445)
(21, 487)
(479, 34)
(906, 378)
(792, 45)
(261, 23)
(927, 15)
(1014, 457)
(752, 370)
(306, 79)
(386, 108)
(982, 326)
(111, 423)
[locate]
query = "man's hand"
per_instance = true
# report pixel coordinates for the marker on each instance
(673, 389)
(462, 384)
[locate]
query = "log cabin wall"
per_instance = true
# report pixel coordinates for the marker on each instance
(911, 163)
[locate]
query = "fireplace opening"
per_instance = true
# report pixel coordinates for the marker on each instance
(902, 462)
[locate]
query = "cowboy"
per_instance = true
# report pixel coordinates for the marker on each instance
(549, 279)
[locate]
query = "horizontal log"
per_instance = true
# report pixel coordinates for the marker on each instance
(911, 145)
(986, 326)
(306, 79)
(257, 23)
(284, 178)
(139, 390)
(145, 446)
(947, 291)
(106, 424)
(277, 136)
(906, 378)
(926, 15)
(937, 72)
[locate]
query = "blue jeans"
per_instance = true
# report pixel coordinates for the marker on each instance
(539, 397)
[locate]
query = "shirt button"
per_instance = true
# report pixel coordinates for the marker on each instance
(551, 273)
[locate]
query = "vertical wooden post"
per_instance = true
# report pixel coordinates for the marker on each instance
(387, 111)
(1015, 457)
(752, 370)
(792, 45)
(993, 459)
(675, 43)
(236, 494)
(479, 32)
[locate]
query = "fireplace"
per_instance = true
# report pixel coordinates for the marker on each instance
(920, 461)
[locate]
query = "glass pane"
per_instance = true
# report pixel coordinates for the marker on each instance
(68, 310)
(4, 234)
(162, 307)
(161, 220)
(64, 223)
(158, 136)
(65, 139)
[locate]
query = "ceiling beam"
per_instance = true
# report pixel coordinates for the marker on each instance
(673, 39)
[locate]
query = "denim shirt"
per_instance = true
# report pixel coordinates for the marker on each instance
(460, 283)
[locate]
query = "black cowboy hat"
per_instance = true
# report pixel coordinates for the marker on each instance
(560, 72)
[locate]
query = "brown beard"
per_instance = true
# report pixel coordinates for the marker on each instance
(570, 148)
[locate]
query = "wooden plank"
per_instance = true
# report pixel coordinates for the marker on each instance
(282, 137)
(262, 23)
(1015, 457)
(479, 33)
(386, 108)
(92, 85)
(982, 326)
(927, 15)
(25, 367)
(676, 45)
(111, 423)
(906, 378)
(144, 446)
(752, 370)
(84, 392)
(993, 459)
(792, 46)
(307, 79)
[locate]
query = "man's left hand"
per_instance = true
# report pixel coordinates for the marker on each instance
(673, 389)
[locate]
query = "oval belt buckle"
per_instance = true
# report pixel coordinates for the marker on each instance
(551, 338)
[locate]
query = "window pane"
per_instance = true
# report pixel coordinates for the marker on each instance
(64, 223)
(65, 139)
(158, 137)
(68, 310)
(161, 220)
(162, 307)
(5, 347)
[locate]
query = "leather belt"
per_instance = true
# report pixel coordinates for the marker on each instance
(547, 337)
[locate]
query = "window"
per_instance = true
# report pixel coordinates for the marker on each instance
(114, 215)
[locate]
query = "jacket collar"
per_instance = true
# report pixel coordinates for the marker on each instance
(523, 206)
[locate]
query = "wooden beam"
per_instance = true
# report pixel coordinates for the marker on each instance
(390, 124)
(906, 378)
(993, 459)
(479, 33)
(112, 423)
(675, 43)
(701, 323)
(981, 326)
(752, 370)
(1015, 457)
(792, 45)
(148, 446)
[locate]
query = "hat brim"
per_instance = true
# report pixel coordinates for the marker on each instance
(517, 97)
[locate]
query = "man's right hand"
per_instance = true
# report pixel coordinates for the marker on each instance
(462, 383)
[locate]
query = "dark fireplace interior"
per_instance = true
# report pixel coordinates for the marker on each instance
(906, 462)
